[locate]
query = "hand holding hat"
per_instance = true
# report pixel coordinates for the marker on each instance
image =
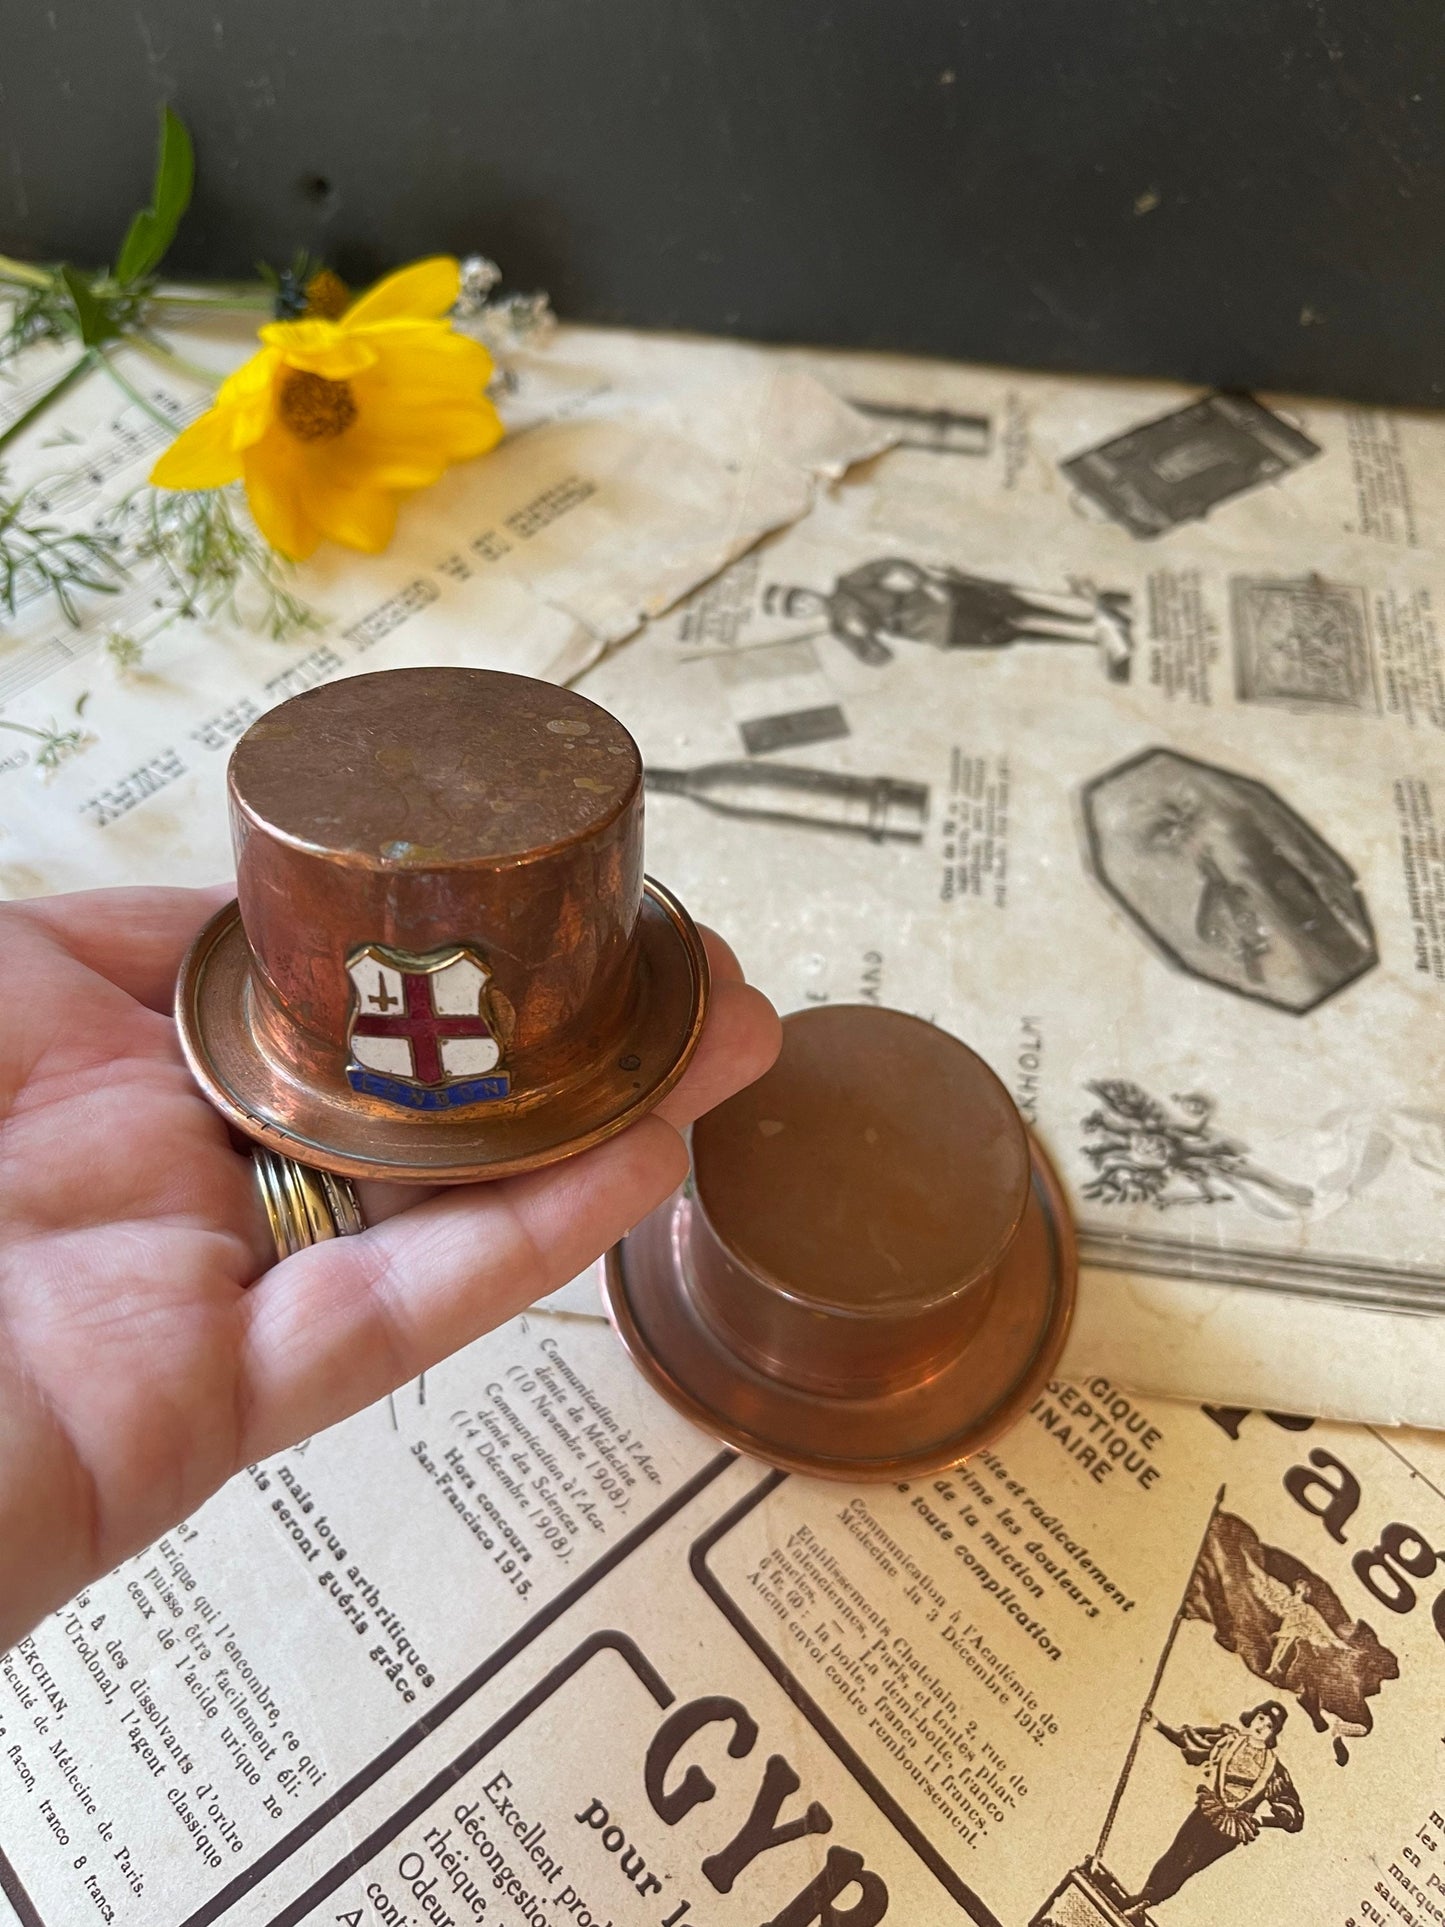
(150, 1345)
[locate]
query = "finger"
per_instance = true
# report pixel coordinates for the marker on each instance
(736, 1047)
(721, 958)
(133, 938)
(340, 1324)
(380, 1201)
(740, 1040)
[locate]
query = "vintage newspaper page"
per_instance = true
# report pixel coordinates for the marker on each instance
(1119, 767)
(517, 1646)
(1128, 772)
(1129, 784)
(632, 472)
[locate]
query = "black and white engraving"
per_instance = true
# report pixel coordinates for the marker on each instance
(1145, 1152)
(793, 728)
(937, 431)
(1290, 1629)
(893, 601)
(1244, 1788)
(1302, 642)
(884, 809)
(779, 696)
(1230, 883)
(1179, 466)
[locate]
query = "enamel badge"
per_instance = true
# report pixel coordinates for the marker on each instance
(421, 1032)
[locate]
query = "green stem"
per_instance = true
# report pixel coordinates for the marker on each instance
(238, 303)
(87, 361)
(22, 271)
(129, 388)
(167, 357)
(24, 729)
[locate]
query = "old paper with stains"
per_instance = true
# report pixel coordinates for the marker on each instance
(519, 1646)
(1103, 726)
(631, 473)
(1100, 725)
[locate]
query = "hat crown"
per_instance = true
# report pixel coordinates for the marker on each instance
(430, 768)
(443, 962)
(879, 1169)
(415, 820)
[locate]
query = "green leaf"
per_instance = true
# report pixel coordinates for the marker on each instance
(92, 317)
(154, 228)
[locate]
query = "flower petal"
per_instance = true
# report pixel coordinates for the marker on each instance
(318, 348)
(422, 291)
(249, 393)
(275, 500)
(429, 354)
(202, 456)
(392, 466)
(404, 466)
(359, 518)
(446, 431)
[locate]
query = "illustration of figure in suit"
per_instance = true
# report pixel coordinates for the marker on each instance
(880, 604)
(1243, 1788)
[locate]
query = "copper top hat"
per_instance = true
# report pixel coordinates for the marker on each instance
(871, 1270)
(444, 962)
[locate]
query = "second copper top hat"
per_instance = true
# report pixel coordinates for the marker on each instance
(871, 1271)
(444, 962)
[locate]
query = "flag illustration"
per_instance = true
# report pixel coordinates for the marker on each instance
(1289, 1627)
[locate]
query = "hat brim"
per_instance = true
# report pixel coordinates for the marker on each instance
(964, 1406)
(329, 1127)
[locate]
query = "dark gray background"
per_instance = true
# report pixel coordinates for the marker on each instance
(973, 180)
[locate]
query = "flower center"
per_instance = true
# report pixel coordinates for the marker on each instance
(313, 408)
(327, 295)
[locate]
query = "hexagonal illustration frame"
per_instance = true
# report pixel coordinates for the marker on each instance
(1227, 880)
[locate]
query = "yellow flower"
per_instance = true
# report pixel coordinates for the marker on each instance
(334, 420)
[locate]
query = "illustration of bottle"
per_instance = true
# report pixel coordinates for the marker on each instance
(879, 807)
